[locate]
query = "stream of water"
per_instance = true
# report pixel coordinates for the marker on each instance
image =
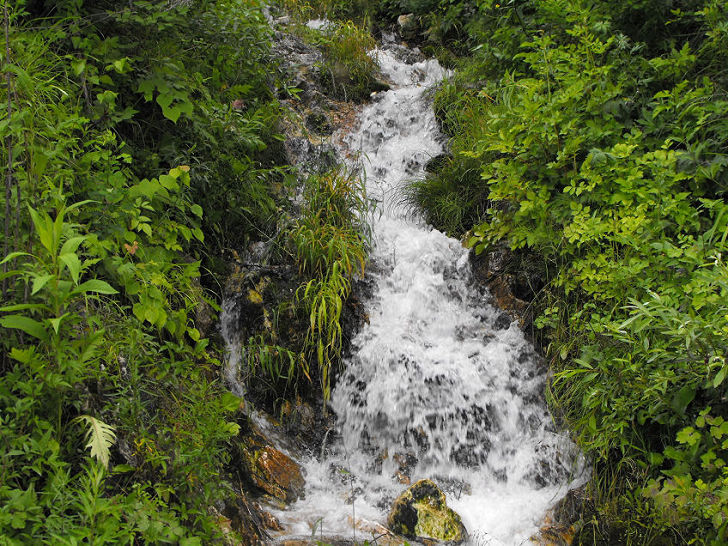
(440, 383)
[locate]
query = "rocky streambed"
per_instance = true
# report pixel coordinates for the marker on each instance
(439, 429)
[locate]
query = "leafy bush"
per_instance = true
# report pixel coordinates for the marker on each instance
(348, 69)
(331, 243)
(118, 121)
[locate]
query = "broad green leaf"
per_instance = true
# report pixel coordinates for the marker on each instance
(682, 399)
(230, 402)
(74, 265)
(56, 322)
(720, 377)
(39, 282)
(72, 244)
(95, 285)
(26, 324)
(44, 226)
(196, 210)
(169, 182)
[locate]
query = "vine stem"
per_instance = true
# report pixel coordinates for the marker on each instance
(9, 146)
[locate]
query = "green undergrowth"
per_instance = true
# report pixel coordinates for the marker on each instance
(139, 145)
(348, 71)
(598, 145)
(329, 242)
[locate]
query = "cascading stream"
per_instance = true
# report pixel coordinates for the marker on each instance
(440, 383)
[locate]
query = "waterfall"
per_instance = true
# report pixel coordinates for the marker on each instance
(440, 384)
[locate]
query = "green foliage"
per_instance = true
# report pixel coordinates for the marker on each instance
(693, 491)
(348, 70)
(341, 10)
(126, 129)
(301, 340)
(330, 242)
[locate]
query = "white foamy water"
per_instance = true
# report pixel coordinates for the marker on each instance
(440, 384)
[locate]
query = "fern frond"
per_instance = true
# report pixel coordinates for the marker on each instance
(100, 437)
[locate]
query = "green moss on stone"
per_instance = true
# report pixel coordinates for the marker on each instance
(421, 511)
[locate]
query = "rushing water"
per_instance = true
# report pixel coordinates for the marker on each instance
(439, 385)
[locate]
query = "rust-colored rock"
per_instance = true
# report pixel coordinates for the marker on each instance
(276, 474)
(500, 287)
(561, 523)
(269, 521)
(555, 535)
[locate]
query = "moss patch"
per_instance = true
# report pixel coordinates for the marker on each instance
(422, 511)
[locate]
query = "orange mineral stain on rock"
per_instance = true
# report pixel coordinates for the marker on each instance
(277, 474)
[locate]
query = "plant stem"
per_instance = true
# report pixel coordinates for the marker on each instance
(9, 146)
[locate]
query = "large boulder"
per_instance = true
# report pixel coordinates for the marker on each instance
(276, 474)
(422, 513)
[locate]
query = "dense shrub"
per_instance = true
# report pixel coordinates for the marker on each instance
(130, 134)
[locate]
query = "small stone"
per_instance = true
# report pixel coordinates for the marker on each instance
(422, 513)
(271, 522)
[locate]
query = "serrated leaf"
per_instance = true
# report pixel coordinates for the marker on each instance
(100, 437)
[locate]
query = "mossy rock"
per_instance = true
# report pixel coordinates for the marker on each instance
(421, 512)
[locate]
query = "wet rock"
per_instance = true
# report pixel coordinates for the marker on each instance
(318, 122)
(554, 535)
(512, 279)
(271, 522)
(266, 468)
(501, 288)
(277, 474)
(409, 26)
(562, 522)
(239, 520)
(569, 509)
(299, 418)
(421, 512)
